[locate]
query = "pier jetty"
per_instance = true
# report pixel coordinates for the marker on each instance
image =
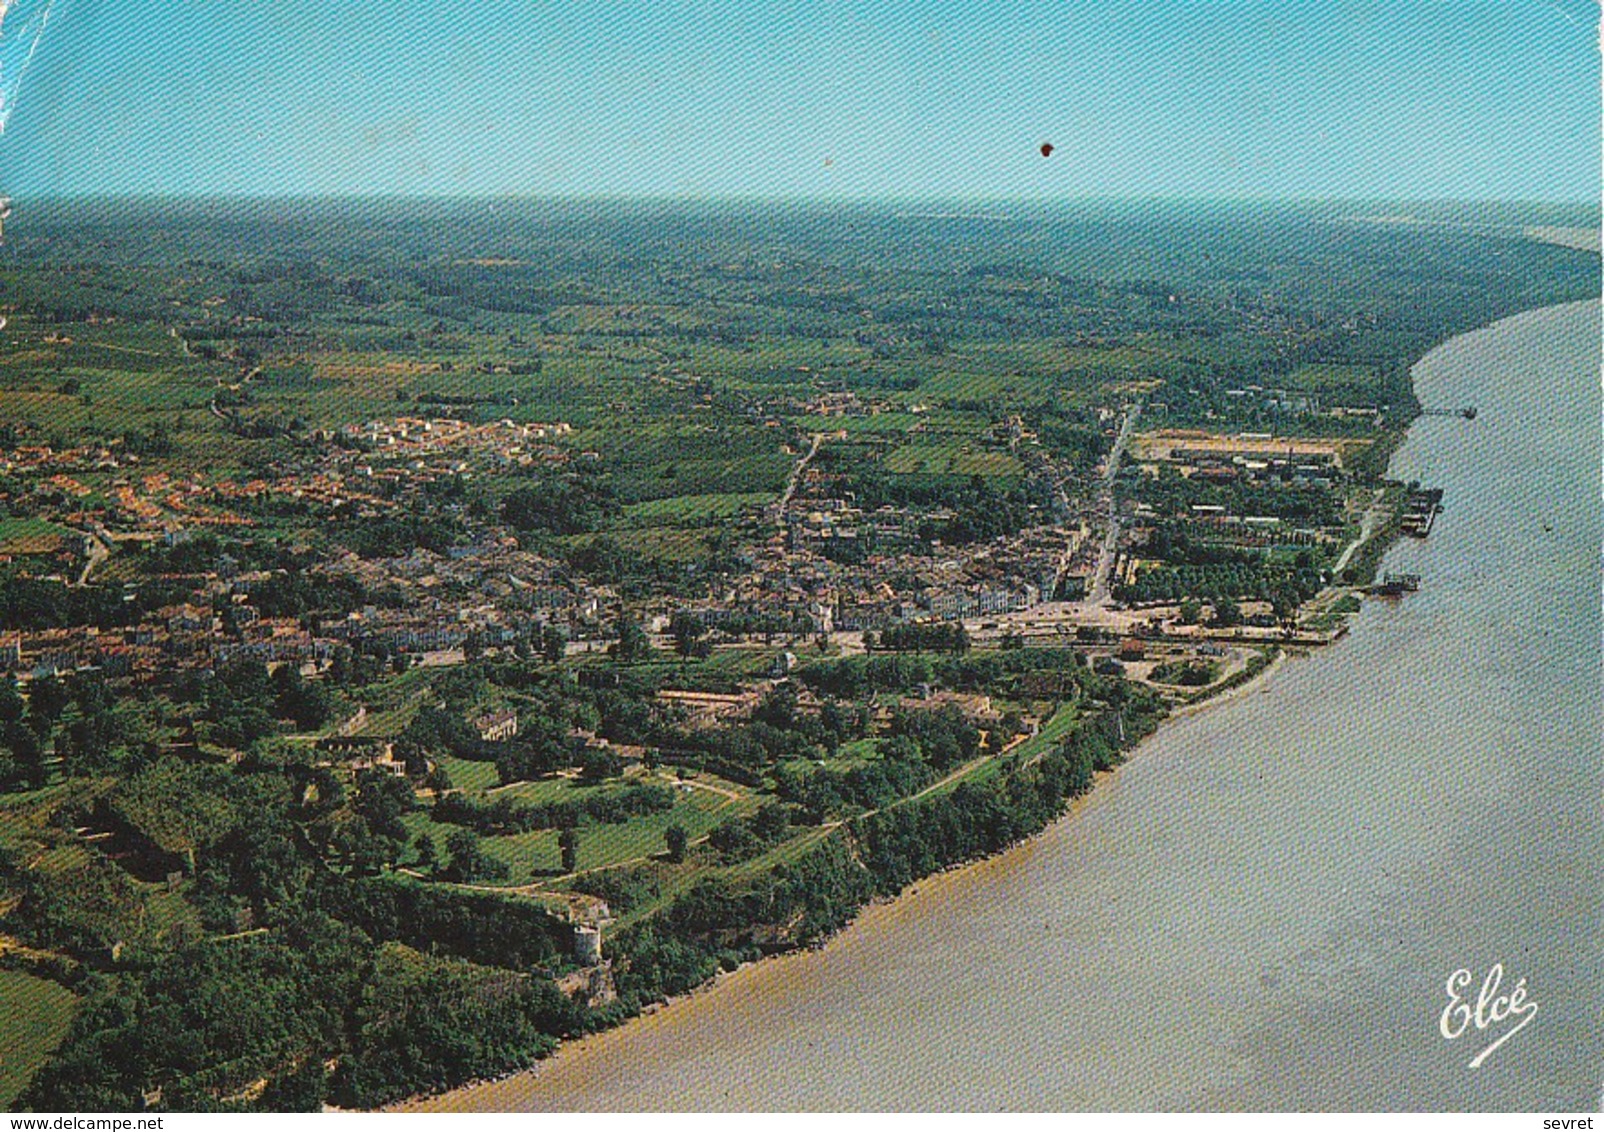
(1396, 585)
(1421, 510)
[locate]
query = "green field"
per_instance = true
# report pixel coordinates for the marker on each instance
(889, 424)
(31, 536)
(951, 459)
(1318, 376)
(37, 1013)
(701, 803)
(698, 811)
(558, 789)
(852, 754)
(468, 774)
(692, 510)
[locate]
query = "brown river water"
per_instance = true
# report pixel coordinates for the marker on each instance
(1262, 908)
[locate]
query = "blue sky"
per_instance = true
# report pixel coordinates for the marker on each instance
(1457, 99)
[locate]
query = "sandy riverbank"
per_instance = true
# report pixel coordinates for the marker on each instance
(1582, 239)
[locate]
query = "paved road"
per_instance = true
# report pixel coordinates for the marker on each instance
(1105, 504)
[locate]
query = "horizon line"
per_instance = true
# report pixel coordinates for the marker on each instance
(534, 196)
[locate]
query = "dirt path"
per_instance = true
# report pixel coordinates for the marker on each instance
(796, 477)
(98, 552)
(1367, 527)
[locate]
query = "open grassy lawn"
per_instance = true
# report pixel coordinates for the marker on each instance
(700, 804)
(530, 856)
(554, 790)
(699, 811)
(855, 753)
(469, 774)
(36, 1013)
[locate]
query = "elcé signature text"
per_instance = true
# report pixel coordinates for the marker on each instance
(1490, 1009)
